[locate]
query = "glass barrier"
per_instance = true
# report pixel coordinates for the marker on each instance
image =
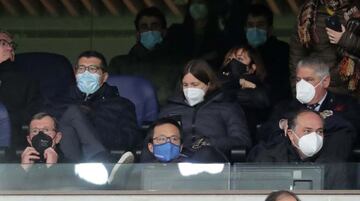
(179, 176)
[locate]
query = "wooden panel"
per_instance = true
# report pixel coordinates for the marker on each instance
(10, 6)
(92, 8)
(149, 3)
(132, 8)
(30, 7)
(274, 7)
(174, 9)
(50, 6)
(112, 7)
(293, 5)
(71, 9)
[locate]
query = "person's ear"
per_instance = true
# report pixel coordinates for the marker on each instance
(326, 82)
(151, 147)
(29, 140)
(138, 36)
(105, 76)
(58, 137)
(163, 32)
(291, 136)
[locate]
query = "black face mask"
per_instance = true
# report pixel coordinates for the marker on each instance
(236, 68)
(41, 142)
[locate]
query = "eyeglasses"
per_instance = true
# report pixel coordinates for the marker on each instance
(47, 131)
(90, 68)
(5, 43)
(163, 139)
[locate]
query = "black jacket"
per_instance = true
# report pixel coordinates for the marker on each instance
(112, 116)
(220, 123)
(21, 97)
(337, 172)
(345, 111)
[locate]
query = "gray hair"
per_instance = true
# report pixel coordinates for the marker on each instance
(320, 67)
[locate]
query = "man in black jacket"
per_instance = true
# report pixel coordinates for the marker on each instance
(19, 94)
(313, 79)
(274, 52)
(304, 141)
(112, 117)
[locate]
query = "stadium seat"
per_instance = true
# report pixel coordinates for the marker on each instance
(54, 72)
(139, 91)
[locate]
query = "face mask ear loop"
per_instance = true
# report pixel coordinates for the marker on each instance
(320, 82)
(297, 146)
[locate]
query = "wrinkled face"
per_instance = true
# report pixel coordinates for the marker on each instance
(309, 75)
(190, 81)
(165, 133)
(47, 126)
(93, 65)
(6, 48)
(306, 123)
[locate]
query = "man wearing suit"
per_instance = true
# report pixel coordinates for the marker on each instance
(339, 111)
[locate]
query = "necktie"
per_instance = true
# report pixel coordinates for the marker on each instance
(313, 106)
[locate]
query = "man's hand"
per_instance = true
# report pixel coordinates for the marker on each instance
(246, 84)
(50, 156)
(28, 157)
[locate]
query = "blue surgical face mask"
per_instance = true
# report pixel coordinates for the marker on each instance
(198, 11)
(150, 38)
(166, 152)
(256, 36)
(88, 82)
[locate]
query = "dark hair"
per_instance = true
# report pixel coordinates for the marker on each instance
(93, 53)
(257, 10)
(201, 70)
(292, 117)
(162, 121)
(255, 57)
(41, 115)
(212, 24)
(273, 196)
(153, 12)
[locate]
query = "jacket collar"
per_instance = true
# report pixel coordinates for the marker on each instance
(105, 91)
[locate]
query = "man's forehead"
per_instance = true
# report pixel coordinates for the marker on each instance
(149, 20)
(310, 120)
(305, 71)
(89, 60)
(166, 129)
(43, 122)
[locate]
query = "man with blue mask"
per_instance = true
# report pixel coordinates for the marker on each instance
(165, 141)
(275, 53)
(152, 56)
(110, 117)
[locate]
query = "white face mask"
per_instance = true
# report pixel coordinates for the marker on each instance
(305, 91)
(310, 144)
(194, 95)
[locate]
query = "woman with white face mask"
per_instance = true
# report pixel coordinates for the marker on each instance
(206, 117)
